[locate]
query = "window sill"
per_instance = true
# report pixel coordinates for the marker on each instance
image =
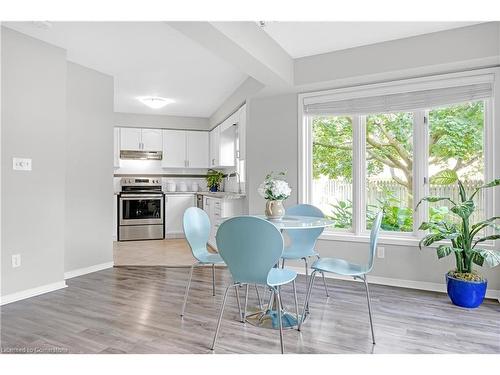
(387, 240)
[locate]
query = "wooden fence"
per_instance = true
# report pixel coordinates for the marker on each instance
(327, 192)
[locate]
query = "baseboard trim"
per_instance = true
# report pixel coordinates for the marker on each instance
(32, 292)
(86, 270)
(401, 283)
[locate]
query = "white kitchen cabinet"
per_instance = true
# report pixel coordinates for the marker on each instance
(130, 139)
(116, 147)
(197, 149)
(175, 205)
(214, 147)
(152, 139)
(174, 149)
(185, 149)
(217, 208)
(138, 139)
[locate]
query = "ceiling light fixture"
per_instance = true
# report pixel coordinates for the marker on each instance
(155, 102)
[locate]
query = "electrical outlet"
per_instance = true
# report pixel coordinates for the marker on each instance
(21, 164)
(380, 252)
(16, 260)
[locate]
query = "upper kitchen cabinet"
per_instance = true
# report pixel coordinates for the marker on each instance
(174, 149)
(185, 149)
(137, 139)
(130, 139)
(197, 149)
(227, 140)
(214, 147)
(152, 139)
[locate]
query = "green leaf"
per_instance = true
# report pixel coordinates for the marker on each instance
(490, 257)
(493, 183)
(445, 177)
(478, 259)
(435, 237)
(464, 209)
(432, 199)
(483, 224)
(487, 238)
(445, 250)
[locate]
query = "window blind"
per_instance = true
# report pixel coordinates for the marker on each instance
(400, 101)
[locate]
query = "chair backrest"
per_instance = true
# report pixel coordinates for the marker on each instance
(304, 238)
(374, 238)
(250, 246)
(196, 226)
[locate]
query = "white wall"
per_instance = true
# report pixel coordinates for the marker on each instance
(444, 51)
(271, 145)
(33, 126)
(246, 90)
(159, 121)
(89, 168)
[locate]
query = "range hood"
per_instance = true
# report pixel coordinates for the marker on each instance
(140, 155)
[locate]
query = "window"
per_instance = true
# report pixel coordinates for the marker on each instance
(456, 141)
(389, 170)
(362, 153)
(332, 168)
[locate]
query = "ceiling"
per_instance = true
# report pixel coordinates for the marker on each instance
(145, 59)
(301, 39)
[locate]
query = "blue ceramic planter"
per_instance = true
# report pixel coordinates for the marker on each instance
(463, 293)
(213, 189)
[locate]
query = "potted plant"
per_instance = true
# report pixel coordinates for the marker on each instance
(214, 179)
(465, 287)
(275, 189)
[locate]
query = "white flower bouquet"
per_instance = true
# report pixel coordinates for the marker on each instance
(274, 188)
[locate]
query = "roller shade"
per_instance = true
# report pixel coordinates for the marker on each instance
(401, 101)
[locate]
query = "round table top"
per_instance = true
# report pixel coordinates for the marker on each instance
(296, 222)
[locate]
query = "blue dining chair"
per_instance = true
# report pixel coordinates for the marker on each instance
(303, 241)
(251, 248)
(343, 267)
(196, 225)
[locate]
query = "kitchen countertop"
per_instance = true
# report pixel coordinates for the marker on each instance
(219, 194)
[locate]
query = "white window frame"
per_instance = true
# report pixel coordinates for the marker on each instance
(358, 233)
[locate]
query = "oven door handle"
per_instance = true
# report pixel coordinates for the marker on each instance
(140, 196)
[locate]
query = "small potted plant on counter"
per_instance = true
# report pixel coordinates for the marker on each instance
(275, 190)
(214, 179)
(465, 287)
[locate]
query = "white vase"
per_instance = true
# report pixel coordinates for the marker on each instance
(275, 209)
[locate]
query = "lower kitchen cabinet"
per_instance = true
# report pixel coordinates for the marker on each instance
(175, 205)
(217, 208)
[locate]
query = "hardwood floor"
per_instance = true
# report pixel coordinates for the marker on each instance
(136, 310)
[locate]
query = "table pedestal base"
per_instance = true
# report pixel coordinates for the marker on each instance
(269, 319)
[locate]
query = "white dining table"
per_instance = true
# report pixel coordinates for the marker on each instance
(267, 317)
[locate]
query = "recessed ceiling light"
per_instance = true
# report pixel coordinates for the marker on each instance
(155, 102)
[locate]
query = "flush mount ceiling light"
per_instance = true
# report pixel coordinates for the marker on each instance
(155, 102)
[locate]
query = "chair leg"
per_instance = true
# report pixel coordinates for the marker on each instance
(324, 280)
(296, 303)
(236, 287)
(278, 310)
(187, 290)
(283, 263)
(246, 304)
(258, 296)
(220, 317)
(213, 279)
(308, 294)
(307, 268)
(369, 307)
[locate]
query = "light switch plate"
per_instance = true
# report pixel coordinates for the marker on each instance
(16, 260)
(21, 164)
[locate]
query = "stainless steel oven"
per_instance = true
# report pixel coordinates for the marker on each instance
(141, 209)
